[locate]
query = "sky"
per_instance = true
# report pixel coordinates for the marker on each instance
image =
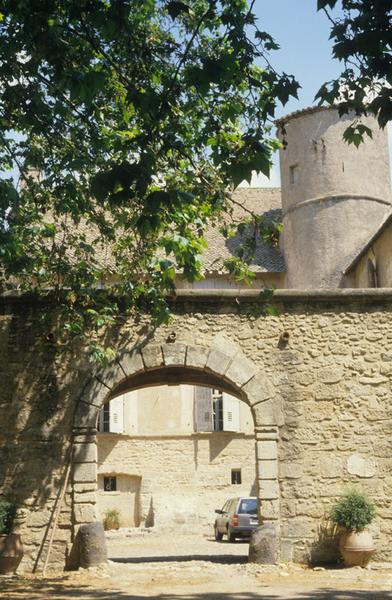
(306, 52)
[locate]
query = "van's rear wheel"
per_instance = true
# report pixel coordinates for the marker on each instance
(230, 535)
(218, 534)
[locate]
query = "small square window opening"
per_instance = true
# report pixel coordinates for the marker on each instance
(236, 476)
(110, 484)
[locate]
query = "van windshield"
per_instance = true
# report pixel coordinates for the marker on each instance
(248, 506)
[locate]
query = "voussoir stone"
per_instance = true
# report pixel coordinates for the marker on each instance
(240, 370)
(152, 356)
(86, 415)
(95, 392)
(174, 354)
(131, 362)
(196, 356)
(111, 375)
(258, 389)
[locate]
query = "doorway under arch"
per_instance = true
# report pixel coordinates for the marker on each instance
(220, 365)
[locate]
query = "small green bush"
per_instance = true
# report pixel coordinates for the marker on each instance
(353, 511)
(7, 515)
(112, 519)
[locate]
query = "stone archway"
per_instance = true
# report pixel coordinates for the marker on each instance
(223, 362)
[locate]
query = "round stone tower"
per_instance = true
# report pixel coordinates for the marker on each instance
(334, 195)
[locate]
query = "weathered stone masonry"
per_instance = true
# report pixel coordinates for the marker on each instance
(321, 403)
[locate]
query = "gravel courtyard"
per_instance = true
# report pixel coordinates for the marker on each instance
(172, 565)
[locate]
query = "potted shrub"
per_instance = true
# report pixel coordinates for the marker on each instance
(111, 519)
(353, 512)
(11, 549)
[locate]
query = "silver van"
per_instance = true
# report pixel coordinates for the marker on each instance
(237, 518)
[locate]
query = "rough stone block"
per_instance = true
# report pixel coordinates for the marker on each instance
(131, 362)
(86, 415)
(264, 545)
(291, 470)
(152, 356)
(85, 498)
(258, 389)
(111, 375)
(85, 513)
(268, 489)
(81, 488)
(298, 528)
(174, 354)
(270, 510)
(92, 545)
(361, 466)
(286, 551)
(84, 453)
(267, 450)
(85, 472)
(267, 469)
(94, 393)
(240, 370)
(269, 412)
(196, 356)
(218, 361)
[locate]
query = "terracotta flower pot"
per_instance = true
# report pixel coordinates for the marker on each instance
(356, 548)
(11, 553)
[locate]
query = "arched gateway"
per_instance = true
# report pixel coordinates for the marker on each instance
(220, 364)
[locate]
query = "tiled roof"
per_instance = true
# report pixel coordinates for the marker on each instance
(266, 201)
(259, 200)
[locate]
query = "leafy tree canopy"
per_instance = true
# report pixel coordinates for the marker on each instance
(129, 121)
(362, 41)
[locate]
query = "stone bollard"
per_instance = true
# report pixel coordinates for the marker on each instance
(264, 545)
(92, 545)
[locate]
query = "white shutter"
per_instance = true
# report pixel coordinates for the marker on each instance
(231, 413)
(117, 415)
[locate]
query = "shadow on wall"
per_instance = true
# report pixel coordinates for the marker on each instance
(36, 414)
(150, 518)
(41, 380)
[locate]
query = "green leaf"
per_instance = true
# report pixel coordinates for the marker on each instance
(175, 8)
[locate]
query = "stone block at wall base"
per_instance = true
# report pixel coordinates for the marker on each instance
(88, 549)
(264, 545)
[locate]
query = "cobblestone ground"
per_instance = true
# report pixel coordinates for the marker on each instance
(180, 566)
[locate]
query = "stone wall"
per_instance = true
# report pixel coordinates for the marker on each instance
(183, 479)
(321, 402)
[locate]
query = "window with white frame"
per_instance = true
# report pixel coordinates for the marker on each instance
(215, 410)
